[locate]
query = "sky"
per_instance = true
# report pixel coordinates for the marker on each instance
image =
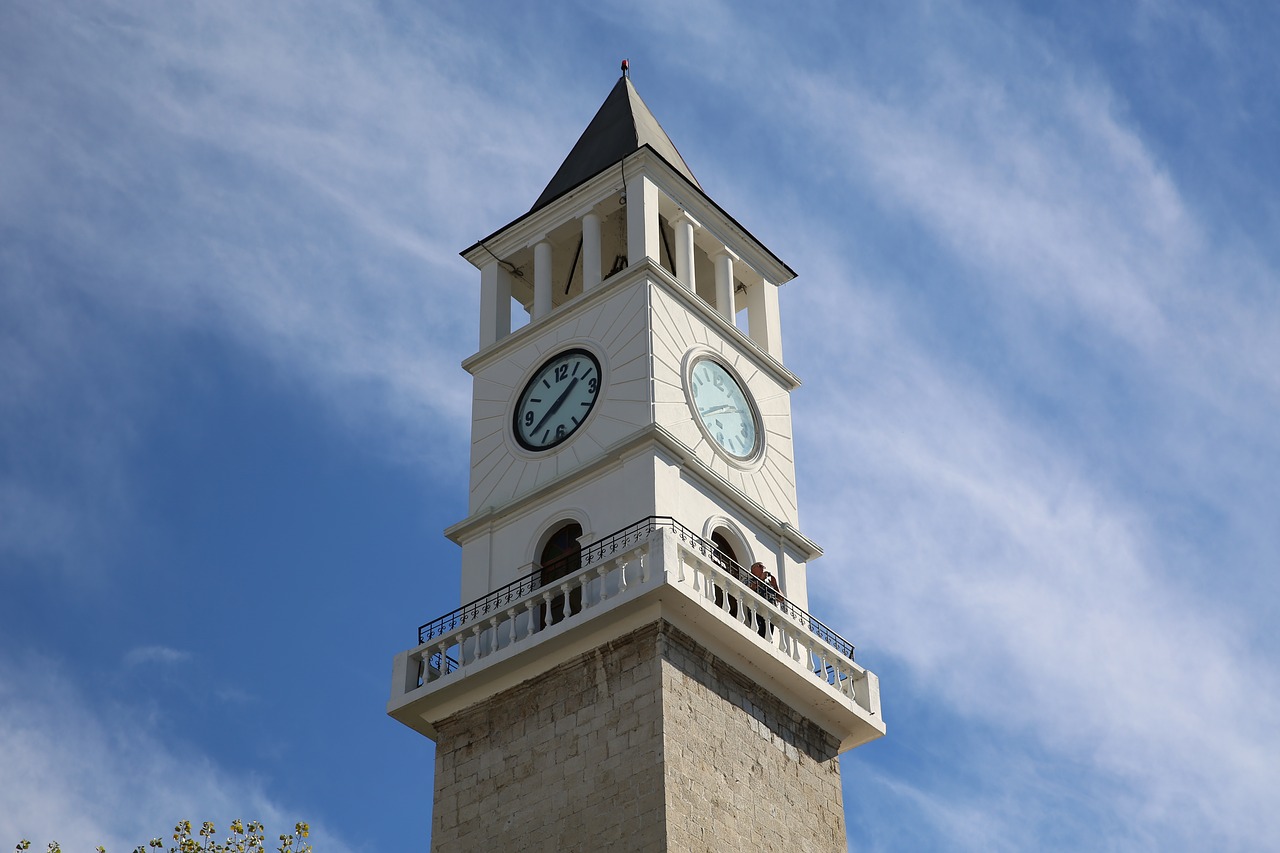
(1037, 318)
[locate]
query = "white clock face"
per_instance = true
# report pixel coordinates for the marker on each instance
(557, 400)
(724, 409)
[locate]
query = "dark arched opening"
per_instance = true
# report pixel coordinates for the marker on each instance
(560, 557)
(727, 559)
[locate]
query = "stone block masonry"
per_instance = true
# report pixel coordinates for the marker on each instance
(647, 743)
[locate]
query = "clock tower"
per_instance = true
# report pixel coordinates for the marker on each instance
(634, 665)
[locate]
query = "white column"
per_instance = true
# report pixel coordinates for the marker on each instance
(723, 261)
(495, 304)
(764, 325)
(684, 225)
(541, 280)
(643, 238)
(590, 250)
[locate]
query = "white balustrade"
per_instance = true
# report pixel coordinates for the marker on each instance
(604, 582)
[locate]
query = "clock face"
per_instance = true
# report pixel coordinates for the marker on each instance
(557, 400)
(724, 409)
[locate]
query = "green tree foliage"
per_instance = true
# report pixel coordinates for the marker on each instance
(244, 838)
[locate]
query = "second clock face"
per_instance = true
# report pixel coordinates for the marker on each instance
(557, 400)
(723, 408)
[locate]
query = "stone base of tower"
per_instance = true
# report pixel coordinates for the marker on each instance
(646, 743)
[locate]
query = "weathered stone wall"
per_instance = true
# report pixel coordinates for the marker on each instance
(571, 760)
(648, 743)
(743, 770)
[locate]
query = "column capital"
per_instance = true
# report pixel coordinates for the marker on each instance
(593, 208)
(725, 252)
(684, 216)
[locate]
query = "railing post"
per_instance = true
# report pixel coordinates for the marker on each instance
(530, 606)
(602, 572)
(443, 669)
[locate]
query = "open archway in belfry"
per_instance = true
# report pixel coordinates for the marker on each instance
(560, 557)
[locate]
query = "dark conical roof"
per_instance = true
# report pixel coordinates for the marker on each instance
(622, 125)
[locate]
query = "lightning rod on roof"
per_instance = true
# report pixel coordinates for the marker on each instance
(626, 68)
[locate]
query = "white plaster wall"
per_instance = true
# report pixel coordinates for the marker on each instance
(603, 503)
(681, 495)
(613, 326)
(770, 481)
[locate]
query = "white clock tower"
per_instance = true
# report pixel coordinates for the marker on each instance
(634, 666)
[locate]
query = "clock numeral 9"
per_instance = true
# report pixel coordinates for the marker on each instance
(528, 418)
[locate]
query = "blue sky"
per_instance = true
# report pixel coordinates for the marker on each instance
(1037, 317)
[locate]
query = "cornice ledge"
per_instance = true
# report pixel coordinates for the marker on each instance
(464, 530)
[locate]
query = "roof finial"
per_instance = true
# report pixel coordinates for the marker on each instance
(626, 69)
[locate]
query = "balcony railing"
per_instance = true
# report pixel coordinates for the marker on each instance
(656, 561)
(615, 545)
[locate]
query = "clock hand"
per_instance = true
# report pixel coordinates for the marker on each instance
(717, 410)
(554, 406)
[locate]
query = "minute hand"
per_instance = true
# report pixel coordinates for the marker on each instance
(555, 407)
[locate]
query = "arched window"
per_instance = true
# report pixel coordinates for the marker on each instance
(726, 558)
(560, 557)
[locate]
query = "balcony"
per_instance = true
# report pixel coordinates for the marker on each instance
(655, 568)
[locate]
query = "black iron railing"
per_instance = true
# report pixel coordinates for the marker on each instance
(614, 545)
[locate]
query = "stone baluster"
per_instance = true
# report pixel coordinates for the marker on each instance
(546, 604)
(531, 607)
(444, 660)
(602, 572)
(849, 676)
(564, 593)
(621, 563)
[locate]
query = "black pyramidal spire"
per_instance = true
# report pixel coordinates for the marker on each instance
(622, 125)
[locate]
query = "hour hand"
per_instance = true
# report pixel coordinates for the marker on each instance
(717, 410)
(555, 407)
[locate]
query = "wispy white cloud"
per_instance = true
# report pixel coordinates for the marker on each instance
(155, 654)
(85, 773)
(1023, 599)
(241, 173)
